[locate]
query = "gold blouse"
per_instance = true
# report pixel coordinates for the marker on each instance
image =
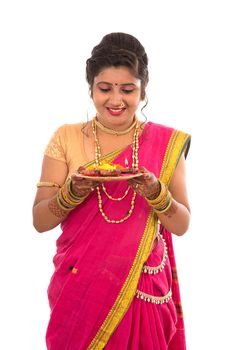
(67, 145)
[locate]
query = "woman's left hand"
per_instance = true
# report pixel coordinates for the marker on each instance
(146, 185)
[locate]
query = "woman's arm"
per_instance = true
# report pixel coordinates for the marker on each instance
(176, 219)
(44, 216)
(47, 213)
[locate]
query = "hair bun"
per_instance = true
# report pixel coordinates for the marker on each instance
(119, 49)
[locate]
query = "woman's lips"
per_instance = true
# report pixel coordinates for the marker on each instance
(115, 111)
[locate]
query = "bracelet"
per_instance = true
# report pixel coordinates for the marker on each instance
(74, 195)
(62, 205)
(47, 184)
(163, 202)
(69, 187)
(162, 195)
(168, 205)
(67, 200)
(68, 197)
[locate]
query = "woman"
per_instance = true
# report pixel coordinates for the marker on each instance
(115, 284)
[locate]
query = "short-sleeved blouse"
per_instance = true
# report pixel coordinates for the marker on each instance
(67, 145)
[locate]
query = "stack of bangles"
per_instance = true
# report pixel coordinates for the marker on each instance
(163, 201)
(68, 200)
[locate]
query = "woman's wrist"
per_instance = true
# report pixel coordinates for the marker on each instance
(162, 201)
(65, 200)
(155, 191)
(81, 193)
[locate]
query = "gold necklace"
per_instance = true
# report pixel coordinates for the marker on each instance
(112, 131)
(114, 198)
(112, 221)
(135, 147)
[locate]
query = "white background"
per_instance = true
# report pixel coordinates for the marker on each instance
(44, 46)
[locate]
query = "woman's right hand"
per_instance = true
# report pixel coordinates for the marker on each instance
(81, 186)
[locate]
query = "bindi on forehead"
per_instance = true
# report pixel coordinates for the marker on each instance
(117, 84)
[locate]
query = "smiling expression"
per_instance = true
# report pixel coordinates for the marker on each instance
(116, 95)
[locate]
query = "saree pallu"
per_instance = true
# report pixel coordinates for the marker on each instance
(98, 265)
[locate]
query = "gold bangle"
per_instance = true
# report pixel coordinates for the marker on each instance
(161, 197)
(71, 193)
(47, 184)
(73, 196)
(67, 197)
(63, 201)
(164, 202)
(61, 205)
(161, 211)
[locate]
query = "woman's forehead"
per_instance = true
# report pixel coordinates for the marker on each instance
(116, 76)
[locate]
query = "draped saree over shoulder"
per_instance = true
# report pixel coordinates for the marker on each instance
(98, 266)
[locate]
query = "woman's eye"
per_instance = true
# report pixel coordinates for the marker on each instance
(127, 91)
(104, 90)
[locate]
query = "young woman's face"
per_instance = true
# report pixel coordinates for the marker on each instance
(116, 95)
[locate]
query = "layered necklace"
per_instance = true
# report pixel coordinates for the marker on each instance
(135, 162)
(112, 131)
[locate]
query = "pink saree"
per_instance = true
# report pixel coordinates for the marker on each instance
(98, 266)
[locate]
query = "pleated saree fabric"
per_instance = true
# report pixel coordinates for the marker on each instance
(100, 298)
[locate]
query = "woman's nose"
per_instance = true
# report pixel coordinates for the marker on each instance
(116, 99)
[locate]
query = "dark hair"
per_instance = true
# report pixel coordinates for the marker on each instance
(115, 50)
